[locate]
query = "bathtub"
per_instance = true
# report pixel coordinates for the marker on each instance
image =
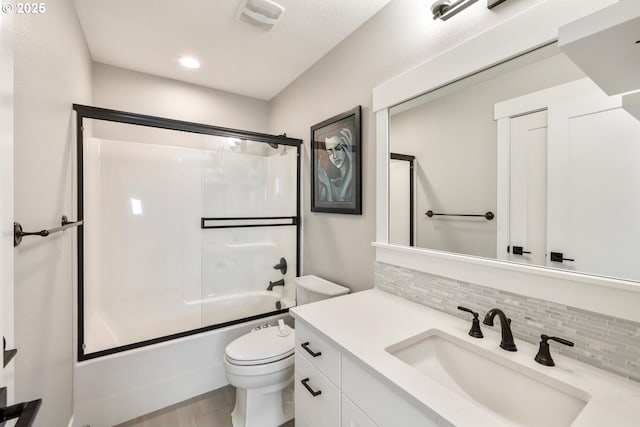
(113, 389)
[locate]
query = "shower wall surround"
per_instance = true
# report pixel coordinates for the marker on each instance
(606, 342)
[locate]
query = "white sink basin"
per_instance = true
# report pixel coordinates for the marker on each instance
(511, 391)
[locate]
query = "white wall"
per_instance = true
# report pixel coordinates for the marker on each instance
(52, 71)
(400, 36)
(136, 92)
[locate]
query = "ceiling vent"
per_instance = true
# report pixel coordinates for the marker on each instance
(261, 13)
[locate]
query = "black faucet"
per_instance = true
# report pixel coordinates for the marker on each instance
(544, 356)
(274, 284)
(505, 325)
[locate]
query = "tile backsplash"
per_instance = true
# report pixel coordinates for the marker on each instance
(603, 341)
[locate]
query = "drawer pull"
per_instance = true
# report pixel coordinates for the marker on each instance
(309, 389)
(305, 345)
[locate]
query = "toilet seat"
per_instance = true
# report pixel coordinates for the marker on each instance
(261, 347)
(264, 369)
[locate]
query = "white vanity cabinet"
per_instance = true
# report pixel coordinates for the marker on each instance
(319, 404)
(332, 390)
(352, 416)
(317, 380)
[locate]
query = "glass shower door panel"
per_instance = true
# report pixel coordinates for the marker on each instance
(142, 241)
(243, 178)
(249, 195)
(237, 269)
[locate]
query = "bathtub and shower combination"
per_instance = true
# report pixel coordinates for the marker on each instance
(185, 228)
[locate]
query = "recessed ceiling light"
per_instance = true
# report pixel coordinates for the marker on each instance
(189, 62)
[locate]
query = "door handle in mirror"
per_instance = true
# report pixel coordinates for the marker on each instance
(559, 257)
(519, 250)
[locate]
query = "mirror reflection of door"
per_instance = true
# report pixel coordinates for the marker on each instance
(401, 199)
(528, 190)
(596, 147)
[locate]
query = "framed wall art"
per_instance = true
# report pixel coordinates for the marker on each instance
(336, 164)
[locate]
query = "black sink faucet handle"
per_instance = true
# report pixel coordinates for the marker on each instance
(475, 330)
(544, 355)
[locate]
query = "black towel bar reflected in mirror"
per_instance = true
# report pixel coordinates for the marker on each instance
(488, 216)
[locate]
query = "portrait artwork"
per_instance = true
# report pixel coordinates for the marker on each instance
(336, 164)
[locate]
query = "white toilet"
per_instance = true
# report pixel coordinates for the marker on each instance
(260, 364)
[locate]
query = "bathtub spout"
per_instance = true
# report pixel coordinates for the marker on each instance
(274, 284)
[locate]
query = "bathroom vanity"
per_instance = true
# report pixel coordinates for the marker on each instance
(375, 359)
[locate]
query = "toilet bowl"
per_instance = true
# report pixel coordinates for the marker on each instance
(260, 364)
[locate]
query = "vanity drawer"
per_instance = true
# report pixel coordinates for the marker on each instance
(319, 351)
(322, 409)
(352, 416)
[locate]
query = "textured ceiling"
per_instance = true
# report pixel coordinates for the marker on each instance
(151, 35)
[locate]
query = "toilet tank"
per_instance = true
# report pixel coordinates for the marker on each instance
(313, 288)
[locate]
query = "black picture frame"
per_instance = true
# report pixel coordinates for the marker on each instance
(336, 164)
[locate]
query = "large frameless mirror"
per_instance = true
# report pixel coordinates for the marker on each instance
(528, 161)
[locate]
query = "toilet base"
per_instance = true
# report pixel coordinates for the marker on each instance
(263, 407)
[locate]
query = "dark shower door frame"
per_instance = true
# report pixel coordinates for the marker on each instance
(96, 113)
(411, 159)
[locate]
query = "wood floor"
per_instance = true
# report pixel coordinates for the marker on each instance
(208, 410)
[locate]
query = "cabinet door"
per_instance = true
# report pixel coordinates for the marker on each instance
(352, 416)
(528, 191)
(386, 407)
(317, 399)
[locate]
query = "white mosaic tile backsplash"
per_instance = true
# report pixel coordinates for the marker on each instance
(603, 341)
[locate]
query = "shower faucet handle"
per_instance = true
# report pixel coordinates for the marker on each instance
(282, 266)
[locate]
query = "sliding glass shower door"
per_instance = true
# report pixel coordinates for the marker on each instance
(249, 223)
(182, 229)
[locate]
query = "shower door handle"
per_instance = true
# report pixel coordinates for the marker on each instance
(305, 345)
(313, 392)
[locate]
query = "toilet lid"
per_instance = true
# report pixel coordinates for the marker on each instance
(261, 346)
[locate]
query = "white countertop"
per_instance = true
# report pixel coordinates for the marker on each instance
(363, 324)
